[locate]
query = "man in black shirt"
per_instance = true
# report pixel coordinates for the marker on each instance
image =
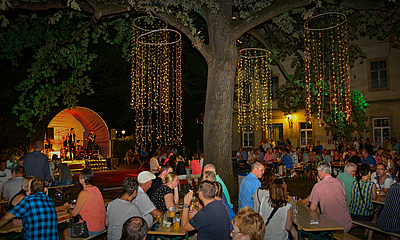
(353, 157)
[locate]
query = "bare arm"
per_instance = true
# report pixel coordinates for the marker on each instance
(289, 220)
(375, 195)
(185, 225)
(156, 213)
(176, 196)
(313, 206)
(7, 217)
(169, 200)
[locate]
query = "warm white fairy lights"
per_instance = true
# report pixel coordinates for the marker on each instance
(327, 78)
(156, 82)
(254, 89)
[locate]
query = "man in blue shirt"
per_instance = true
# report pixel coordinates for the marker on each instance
(368, 159)
(249, 185)
(38, 213)
(318, 147)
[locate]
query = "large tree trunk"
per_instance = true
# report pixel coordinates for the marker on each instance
(219, 98)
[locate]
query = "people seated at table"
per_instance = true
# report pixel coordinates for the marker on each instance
(212, 221)
(368, 159)
(269, 158)
(276, 212)
(248, 225)
(294, 156)
(328, 156)
(336, 158)
(249, 185)
(89, 204)
(382, 179)
(266, 179)
(288, 161)
(166, 195)
(353, 157)
(363, 192)
(180, 168)
(13, 186)
(392, 160)
(211, 167)
(329, 196)
(219, 197)
(154, 164)
(348, 177)
(38, 213)
(65, 175)
(5, 173)
(157, 182)
(143, 201)
(121, 209)
(389, 217)
(135, 228)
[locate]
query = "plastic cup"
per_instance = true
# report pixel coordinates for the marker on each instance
(171, 212)
(177, 222)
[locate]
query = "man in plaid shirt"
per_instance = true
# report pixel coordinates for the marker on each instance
(38, 213)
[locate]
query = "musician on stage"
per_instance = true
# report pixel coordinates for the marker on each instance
(72, 144)
(90, 144)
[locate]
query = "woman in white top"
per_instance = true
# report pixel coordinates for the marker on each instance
(280, 222)
(266, 179)
(251, 157)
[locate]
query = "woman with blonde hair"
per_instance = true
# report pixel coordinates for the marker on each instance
(166, 195)
(247, 225)
(25, 191)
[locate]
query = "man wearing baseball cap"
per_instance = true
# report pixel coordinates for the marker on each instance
(145, 179)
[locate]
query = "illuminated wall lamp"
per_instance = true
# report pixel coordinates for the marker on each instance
(289, 118)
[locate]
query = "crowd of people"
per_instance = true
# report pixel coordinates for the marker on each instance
(264, 211)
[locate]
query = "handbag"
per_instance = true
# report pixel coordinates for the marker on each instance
(79, 229)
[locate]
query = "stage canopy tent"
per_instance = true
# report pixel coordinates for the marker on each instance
(80, 118)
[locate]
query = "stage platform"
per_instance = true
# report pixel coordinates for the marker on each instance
(94, 164)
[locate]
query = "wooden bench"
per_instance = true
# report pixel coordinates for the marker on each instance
(52, 191)
(374, 227)
(103, 235)
(340, 235)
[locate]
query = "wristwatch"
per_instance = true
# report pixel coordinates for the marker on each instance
(185, 205)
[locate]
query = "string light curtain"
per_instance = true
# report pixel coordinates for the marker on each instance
(327, 77)
(156, 82)
(254, 95)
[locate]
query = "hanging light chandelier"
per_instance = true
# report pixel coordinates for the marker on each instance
(327, 77)
(254, 97)
(156, 82)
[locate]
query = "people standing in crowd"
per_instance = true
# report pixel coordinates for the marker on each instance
(37, 164)
(248, 225)
(72, 144)
(276, 212)
(121, 209)
(330, 195)
(166, 195)
(142, 200)
(38, 213)
(13, 186)
(89, 204)
(368, 159)
(135, 228)
(348, 177)
(157, 182)
(263, 191)
(389, 217)
(382, 179)
(212, 221)
(211, 167)
(363, 192)
(250, 184)
(154, 165)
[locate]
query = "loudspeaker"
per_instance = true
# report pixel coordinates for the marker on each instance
(113, 133)
(50, 133)
(114, 162)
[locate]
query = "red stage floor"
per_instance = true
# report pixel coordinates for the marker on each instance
(114, 178)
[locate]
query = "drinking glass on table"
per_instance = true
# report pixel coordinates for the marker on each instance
(171, 212)
(177, 221)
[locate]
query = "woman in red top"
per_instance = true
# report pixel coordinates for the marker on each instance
(90, 205)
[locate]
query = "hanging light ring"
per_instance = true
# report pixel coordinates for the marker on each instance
(263, 52)
(136, 23)
(141, 38)
(321, 17)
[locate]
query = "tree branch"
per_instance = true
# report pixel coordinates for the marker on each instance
(173, 21)
(88, 24)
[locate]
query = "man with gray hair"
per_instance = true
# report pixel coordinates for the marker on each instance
(348, 177)
(329, 196)
(211, 167)
(249, 185)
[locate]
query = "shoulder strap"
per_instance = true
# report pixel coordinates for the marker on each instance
(271, 215)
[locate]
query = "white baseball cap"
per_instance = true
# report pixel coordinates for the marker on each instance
(145, 176)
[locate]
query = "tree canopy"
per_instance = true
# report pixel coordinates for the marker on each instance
(60, 35)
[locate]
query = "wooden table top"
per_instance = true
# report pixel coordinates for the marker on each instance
(305, 214)
(167, 231)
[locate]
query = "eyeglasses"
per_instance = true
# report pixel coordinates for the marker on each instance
(380, 169)
(233, 233)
